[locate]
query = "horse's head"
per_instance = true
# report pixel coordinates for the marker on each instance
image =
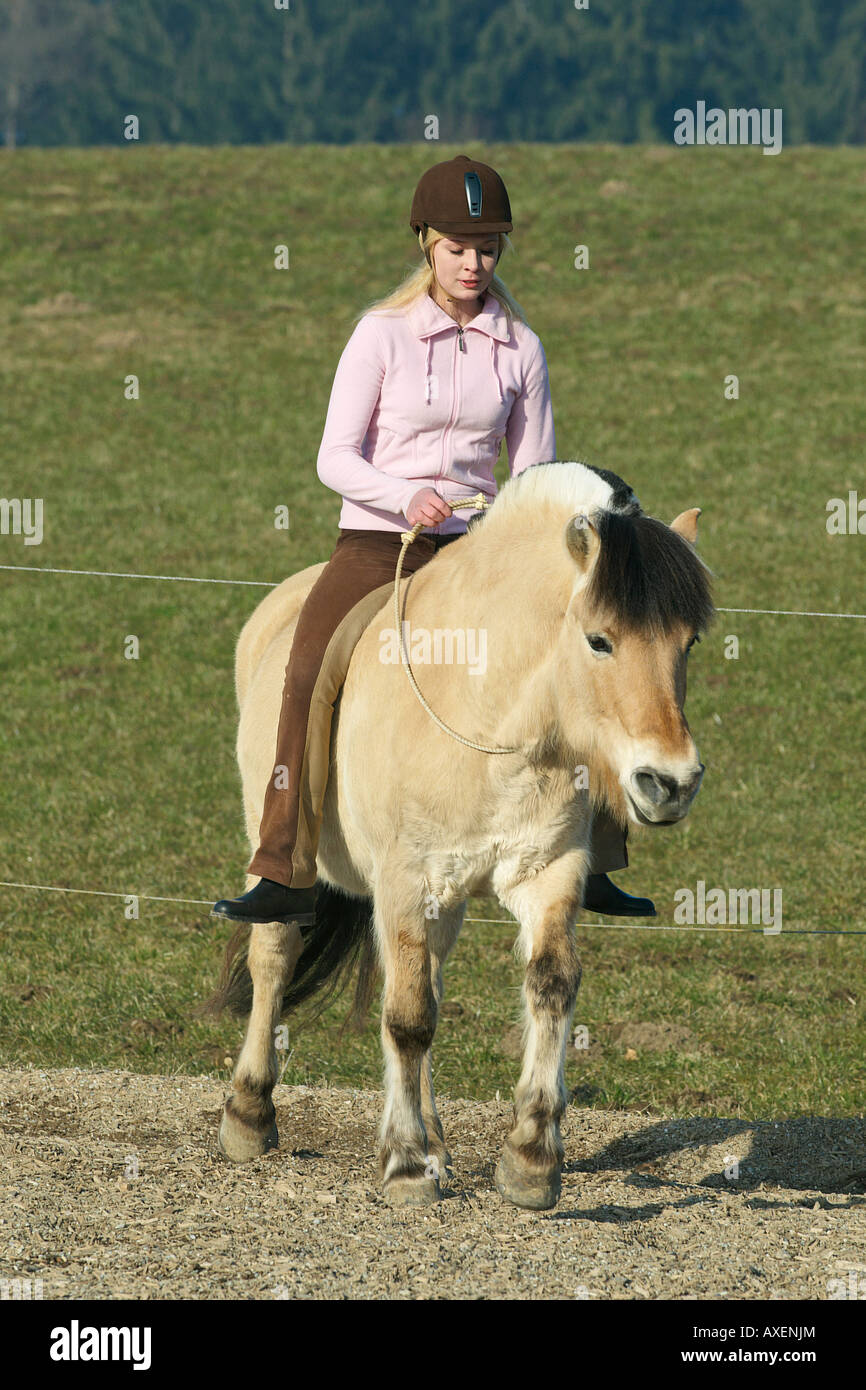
(639, 601)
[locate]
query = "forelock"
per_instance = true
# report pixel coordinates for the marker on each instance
(647, 576)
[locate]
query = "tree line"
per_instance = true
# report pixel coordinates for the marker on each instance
(340, 71)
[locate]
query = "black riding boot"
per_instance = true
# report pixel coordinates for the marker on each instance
(600, 895)
(270, 902)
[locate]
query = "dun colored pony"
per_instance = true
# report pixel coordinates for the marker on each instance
(589, 608)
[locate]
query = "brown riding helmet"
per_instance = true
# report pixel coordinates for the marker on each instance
(460, 195)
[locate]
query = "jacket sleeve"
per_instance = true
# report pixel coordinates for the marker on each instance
(529, 433)
(341, 464)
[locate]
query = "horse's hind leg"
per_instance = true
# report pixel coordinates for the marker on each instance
(248, 1127)
(408, 1025)
(528, 1172)
(442, 933)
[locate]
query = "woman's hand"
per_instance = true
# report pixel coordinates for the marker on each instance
(427, 506)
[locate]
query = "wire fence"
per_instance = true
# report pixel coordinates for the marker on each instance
(504, 921)
(273, 584)
(609, 926)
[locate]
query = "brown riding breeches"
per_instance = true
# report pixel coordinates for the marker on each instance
(289, 832)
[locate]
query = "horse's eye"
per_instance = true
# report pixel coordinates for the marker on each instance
(598, 643)
(696, 638)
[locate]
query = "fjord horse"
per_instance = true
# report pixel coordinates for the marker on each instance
(589, 608)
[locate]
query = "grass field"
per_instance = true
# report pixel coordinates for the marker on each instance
(119, 775)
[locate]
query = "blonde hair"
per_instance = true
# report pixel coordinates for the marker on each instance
(421, 280)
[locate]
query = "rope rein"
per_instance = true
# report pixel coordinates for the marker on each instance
(408, 537)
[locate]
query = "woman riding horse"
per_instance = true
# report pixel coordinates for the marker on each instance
(432, 379)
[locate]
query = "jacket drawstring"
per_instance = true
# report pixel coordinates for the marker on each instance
(493, 363)
(428, 381)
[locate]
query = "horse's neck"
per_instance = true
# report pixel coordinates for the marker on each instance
(503, 588)
(507, 588)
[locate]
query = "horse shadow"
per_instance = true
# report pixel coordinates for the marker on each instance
(810, 1154)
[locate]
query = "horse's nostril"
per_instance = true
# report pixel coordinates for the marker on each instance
(655, 787)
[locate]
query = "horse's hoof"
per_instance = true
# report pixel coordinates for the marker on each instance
(538, 1191)
(239, 1142)
(412, 1192)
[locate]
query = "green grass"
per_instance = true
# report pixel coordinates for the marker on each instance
(120, 775)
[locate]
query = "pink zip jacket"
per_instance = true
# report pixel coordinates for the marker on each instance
(418, 402)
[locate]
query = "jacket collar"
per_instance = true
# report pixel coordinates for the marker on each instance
(426, 318)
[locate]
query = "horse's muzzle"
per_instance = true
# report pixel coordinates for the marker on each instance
(659, 799)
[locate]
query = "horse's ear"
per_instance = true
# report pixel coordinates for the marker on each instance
(581, 539)
(686, 524)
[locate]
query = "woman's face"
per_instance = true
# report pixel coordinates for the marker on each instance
(465, 264)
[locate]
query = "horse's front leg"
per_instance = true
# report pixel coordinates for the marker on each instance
(248, 1127)
(528, 1172)
(408, 1025)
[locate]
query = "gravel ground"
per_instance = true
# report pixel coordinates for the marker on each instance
(111, 1186)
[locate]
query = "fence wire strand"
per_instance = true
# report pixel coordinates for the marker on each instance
(497, 921)
(273, 584)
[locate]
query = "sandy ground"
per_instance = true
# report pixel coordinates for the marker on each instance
(111, 1186)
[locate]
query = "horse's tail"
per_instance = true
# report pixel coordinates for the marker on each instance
(341, 937)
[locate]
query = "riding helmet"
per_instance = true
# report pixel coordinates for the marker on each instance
(461, 195)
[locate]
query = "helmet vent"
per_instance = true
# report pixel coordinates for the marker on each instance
(472, 184)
